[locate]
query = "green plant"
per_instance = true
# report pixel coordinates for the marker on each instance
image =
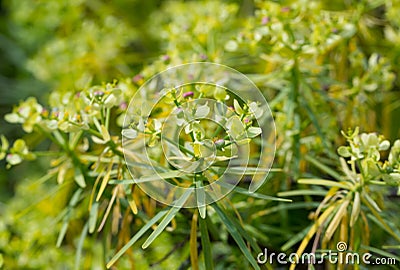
(89, 156)
(355, 195)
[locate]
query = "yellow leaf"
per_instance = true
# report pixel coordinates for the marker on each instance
(104, 132)
(104, 182)
(312, 231)
(356, 209)
(132, 204)
(61, 173)
(336, 220)
(197, 149)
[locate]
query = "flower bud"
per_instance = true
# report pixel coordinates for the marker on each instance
(188, 94)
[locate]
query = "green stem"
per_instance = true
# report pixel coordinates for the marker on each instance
(113, 147)
(217, 131)
(108, 113)
(181, 147)
(47, 154)
(294, 117)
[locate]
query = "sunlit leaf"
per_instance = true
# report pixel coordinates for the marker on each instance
(4, 143)
(355, 209)
(334, 223)
(104, 182)
(323, 182)
(132, 204)
(79, 178)
(104, 132)
(237, 107)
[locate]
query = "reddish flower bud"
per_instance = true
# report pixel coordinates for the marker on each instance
(188, 94)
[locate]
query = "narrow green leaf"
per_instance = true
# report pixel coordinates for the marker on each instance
(323, 182)
(272, 229)
(256, 232)
(206, 245)
(168, 217)
(382, 223)
(296, 238)
(80, 246)
(323, 167)
(251, 194)
(288, 206)
(233, 230)
(391, 247)
(381, 252)
(75, 198)
(302, 192)
(79, 178)
(74, 139)
(160, 176)
(150, 178)
(93, 217)
(246, 235)
(316, 124)
(63, 231)
(371, 202)
(122, 182)
(72, 203)
(136, 237)
(249, 170)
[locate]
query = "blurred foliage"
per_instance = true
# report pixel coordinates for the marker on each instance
(324, 66)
